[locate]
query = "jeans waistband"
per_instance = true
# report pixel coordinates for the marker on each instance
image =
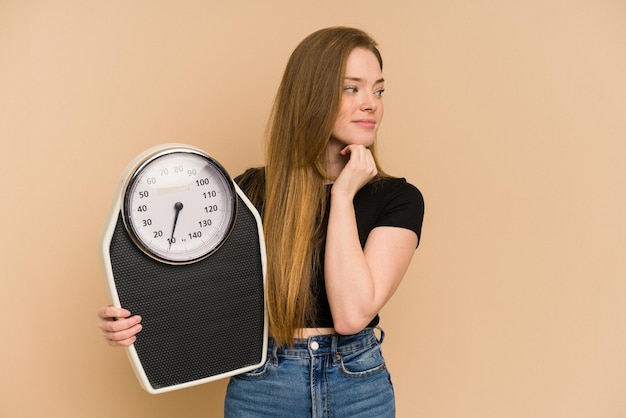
(318, 345)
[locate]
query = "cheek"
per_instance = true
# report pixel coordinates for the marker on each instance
(344, 110)
(343, 118)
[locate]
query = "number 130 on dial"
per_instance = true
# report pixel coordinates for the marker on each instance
(179, 205)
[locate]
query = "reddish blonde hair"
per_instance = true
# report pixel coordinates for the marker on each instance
(294, 196)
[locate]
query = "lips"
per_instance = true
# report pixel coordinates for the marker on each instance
(366, 123)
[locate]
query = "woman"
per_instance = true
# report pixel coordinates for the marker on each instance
(340, 235)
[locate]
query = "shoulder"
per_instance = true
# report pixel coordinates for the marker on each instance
(249, 174)
(252, 184)
(388, 189)
(391, 201)
(250, 178)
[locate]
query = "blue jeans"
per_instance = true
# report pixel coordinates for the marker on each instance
(341, 376)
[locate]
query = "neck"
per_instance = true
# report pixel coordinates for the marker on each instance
(335, 162)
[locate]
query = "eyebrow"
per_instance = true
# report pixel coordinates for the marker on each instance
(358, 79)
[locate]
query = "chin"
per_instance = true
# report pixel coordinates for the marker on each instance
(356, 140)
(366, 142)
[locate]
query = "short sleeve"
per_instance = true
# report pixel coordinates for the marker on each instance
(244, 180)
(252, 185)
(403, 207)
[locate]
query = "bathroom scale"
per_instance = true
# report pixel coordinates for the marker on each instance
(183, 248)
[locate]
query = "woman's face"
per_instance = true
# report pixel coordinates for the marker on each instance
(361, 108)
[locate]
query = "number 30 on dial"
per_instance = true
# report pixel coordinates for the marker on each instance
(179, 205)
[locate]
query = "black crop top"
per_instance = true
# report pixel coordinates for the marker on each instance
(387, 202)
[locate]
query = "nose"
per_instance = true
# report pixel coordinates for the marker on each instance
(369, 103)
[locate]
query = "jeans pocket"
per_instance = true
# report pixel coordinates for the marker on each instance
(258, 373)
(363, 363)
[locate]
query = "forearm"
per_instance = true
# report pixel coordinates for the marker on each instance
(349, 283)
(359, 281)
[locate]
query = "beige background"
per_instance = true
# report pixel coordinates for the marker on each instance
(508, 115)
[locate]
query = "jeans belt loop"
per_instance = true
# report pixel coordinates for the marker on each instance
(333, 348)
(382, 334)
(274, 358)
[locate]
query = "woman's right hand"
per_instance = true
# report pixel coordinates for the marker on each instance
(118, 327)
(360, 168)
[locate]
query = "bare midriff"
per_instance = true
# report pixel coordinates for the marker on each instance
(309, 332)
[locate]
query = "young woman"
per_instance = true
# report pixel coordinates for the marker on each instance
(339, 232)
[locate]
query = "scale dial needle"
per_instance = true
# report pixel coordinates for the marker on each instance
(178, 206)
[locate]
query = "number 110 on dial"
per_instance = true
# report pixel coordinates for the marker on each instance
(179, 205)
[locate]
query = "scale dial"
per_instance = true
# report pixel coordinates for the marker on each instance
(179, 205)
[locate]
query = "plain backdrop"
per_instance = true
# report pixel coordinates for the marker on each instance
(508, 115)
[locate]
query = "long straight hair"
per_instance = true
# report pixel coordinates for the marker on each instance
(294, 196)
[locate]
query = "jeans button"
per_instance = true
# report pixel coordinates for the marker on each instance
(314, 345)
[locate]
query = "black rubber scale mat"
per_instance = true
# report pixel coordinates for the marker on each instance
(199, 320)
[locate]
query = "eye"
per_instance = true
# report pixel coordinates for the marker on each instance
(350, 89)
(379, 92)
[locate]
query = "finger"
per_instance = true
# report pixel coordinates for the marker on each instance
(352, 148)
(116, 325)
(123, 335)
(345, 150)
(113, 312)
(122, 343)
(361, 156)
(370, 160)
